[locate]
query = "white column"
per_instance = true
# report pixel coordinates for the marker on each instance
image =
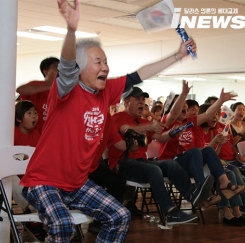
(8, 40)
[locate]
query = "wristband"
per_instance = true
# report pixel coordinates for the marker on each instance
(171, 135)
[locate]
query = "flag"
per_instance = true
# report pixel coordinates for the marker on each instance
(157, 17)
(226, 115)
(226, 128)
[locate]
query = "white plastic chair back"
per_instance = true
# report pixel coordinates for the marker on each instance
(241, 148)
(10, 160)
(12, 163)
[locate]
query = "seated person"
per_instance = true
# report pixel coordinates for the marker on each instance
(192, 159)
(25, 134)
(193, 107)
(137, 168)
(238, 125)
(210, 134)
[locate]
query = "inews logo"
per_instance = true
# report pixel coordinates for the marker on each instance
(206, 18)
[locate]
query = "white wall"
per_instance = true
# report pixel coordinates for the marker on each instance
(215, 54)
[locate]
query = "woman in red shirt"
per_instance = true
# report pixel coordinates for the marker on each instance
(192, 159)
(209, 134)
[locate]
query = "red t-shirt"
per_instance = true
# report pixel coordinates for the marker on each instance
(120, 119)
(202, 140)
(30, 139)
(109, 138)
(71, 136)
(40, 101)
(180, 143)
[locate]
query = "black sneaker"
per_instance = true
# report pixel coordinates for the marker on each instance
(202, 192)
(36, 230)
(176, 216)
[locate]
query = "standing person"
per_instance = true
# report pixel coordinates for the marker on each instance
(78, 105)
(37, 91)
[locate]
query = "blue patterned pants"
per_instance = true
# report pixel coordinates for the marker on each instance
(53, 203)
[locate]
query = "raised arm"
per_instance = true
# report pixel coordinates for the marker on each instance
(224, 96)
(152, 69)
(178, 105)
(71, 15)
(30, 89)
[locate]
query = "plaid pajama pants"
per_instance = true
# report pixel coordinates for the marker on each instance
(53, 203)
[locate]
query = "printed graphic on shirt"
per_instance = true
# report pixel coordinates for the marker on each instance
(185, 138)
(93, 121)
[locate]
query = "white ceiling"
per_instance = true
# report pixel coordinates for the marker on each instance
(113, 20)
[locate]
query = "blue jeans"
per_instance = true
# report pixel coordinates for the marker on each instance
(192, 163)
(193, 160)
(233, 167)
(153, 172)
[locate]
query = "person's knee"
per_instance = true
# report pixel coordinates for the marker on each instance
(154, 172)
(231, 176)
(63, 226)
(195, 152)
(209, 150)
(125, 215)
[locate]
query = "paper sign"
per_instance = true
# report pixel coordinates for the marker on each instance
(168, 101)
(158, 17)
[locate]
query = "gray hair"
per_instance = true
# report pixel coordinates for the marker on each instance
(81, 51)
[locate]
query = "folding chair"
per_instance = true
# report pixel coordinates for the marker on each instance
(11, 164)
(143, 188)
(241, 148)
(177, 198)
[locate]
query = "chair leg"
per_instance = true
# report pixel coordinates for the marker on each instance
(162, 217)
(80, 232)
(201, 213)
(7, 209)
(144, 203)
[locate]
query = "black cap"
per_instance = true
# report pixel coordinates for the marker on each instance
(135, 92)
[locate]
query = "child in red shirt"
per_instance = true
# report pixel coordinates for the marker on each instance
(25, 134)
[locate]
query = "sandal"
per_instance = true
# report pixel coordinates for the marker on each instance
(229, 193)
(213, 200)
